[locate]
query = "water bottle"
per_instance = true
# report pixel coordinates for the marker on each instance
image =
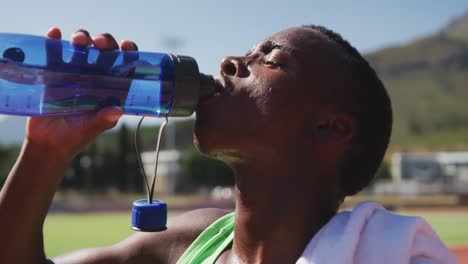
(41, 76)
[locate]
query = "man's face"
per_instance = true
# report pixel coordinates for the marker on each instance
(270, 95)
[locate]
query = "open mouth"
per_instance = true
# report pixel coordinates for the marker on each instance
(223, 85)
(219, 87)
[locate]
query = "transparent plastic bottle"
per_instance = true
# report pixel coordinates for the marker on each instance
(41, 76)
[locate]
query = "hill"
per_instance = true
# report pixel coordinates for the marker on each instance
(428, 82)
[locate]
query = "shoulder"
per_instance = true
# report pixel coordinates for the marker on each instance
(169, 245)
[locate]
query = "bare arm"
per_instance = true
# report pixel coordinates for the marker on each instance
(24, 202)
(50, 144)
(29, 189)
(27, 194)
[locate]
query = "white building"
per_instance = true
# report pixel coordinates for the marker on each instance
(436, 172)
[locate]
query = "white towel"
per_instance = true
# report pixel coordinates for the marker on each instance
(372, 235)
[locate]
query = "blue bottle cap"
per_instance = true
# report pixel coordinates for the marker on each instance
(149, 217)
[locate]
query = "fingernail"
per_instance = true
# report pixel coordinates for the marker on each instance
(128, 45)
(84, 31)
(79, 38)
(78, 33)
(109, 36)
(54, 32)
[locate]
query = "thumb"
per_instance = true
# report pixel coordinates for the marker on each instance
(107, 118)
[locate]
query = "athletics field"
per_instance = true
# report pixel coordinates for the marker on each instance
(66, 232)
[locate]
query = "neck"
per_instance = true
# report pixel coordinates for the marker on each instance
(279, 202)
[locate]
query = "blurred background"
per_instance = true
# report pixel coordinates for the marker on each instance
(419, 49)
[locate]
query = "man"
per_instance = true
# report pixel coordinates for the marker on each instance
(303, 121)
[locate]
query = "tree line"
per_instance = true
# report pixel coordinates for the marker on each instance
(110, 162)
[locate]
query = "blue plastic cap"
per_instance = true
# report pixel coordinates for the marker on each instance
(149, 217)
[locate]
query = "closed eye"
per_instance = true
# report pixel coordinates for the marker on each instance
(273, 64)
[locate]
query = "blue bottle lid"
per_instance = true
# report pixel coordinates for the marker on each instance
(149, 217)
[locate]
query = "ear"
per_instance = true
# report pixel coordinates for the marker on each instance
(338, 128)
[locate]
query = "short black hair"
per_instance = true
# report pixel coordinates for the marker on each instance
(368, 102)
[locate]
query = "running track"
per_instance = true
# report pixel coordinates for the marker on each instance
(461, 253)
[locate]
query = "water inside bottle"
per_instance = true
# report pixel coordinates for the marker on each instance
(30, 86)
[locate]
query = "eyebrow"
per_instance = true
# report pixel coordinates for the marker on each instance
(270, 45)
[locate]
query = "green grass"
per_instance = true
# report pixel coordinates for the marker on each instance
(451, 227)
(67, 232)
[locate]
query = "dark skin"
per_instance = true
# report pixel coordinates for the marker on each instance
(269, 124)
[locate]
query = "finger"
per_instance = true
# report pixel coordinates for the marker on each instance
(54, 33)
(54, 48)
(81, 37)
(105, 119)
(80, 40)
(106, 43)
(129, 47)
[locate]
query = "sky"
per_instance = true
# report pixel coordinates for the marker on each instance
(210, 30)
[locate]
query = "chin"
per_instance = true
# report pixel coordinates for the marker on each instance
(196, 144)
(205, 148)
(209, 140)
(202, 140)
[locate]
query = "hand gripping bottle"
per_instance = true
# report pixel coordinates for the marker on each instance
(41, 76)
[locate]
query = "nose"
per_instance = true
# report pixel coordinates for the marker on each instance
(234, 66)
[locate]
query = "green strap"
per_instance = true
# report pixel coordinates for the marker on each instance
(211, 243)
